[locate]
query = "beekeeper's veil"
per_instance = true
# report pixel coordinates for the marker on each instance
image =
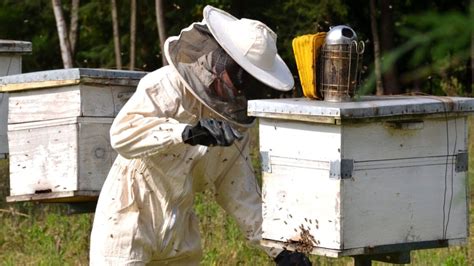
(225, 61)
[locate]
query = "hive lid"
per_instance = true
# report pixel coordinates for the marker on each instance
(10, 46)
(64, 77)
(305, 109)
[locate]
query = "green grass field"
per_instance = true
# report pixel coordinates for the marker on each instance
(32, 234)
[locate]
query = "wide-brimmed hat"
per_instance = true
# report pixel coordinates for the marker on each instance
(252, 45)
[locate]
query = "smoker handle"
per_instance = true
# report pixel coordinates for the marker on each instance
(405, 125)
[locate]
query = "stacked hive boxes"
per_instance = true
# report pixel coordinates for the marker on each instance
(10, 64)
(58, 131)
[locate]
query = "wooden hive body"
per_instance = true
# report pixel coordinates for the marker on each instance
(376, 175)
(58, 131)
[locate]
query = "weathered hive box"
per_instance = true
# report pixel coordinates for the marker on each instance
(10, 56)
(10, 64)
(377, 175)
(58, 131)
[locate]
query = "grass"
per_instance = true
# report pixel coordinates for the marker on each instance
(32, 234)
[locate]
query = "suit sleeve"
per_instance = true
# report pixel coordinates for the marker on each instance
(148, 123)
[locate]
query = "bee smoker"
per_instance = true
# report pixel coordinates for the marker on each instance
(341, 60)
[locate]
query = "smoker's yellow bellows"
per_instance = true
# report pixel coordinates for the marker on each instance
(306, 48)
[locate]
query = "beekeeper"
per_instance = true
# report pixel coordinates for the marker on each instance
(184, 131)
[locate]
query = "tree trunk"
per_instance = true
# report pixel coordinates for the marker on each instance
(160, 23)
(115, 25)
(390, 76)
(73, 26)
(470, 82)
(62, 33)
(133, 32)
(375, 36)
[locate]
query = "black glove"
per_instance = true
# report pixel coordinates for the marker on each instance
(210, 132)
(288, 258)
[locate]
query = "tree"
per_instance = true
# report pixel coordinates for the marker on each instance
(62, 33)
(160, 23)
(390, 77)
(376, 43)
(133, 32)
(115, 25)
(73, 26)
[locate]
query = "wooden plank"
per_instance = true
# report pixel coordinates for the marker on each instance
(3, 123)
(300, 140)
(57, 197)
(297, 190)
(37, 85)
(382, 107)
(402, 247)
(10, 64)
(62, 77)
(12, 46)
(297, 199)
(403, 205)
(45, 104)
(103, 100)
(43, 159)
(96, 156)
(77, 100)
(63, 155)
(59, 122)
(384, 141)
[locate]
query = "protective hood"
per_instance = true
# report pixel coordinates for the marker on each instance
(194, 55)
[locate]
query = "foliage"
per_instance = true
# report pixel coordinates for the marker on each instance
(436, 48)
(19, 23)
(433, 37)
(293, 18)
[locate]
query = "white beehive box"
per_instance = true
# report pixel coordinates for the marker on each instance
(58, 131)
(377, 175)
(10, 64)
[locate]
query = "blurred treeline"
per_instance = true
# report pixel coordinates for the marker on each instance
(424, 46)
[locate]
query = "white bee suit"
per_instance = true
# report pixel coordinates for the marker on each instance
(145, 209)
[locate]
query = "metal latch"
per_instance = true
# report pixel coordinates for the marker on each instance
(341, 169)
(462, 161)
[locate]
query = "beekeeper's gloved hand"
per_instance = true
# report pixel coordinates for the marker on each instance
(210, 132)
(288, 258)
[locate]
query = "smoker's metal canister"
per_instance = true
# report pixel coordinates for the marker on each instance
(340, 64)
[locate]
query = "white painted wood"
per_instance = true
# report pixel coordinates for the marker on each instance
(62, 77)
(301, 140)
(14, 47)
(10, 64)
(3, 124)
(408, 170)
(403, 205)
(337, 253)
(68, 101)
(42, 159)
(44, 104)
(298, 196)
(379, 140)
(297, 191)
(96, 156)
(375, 107)
(57, 197)
(403, 188)
(49, 156)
